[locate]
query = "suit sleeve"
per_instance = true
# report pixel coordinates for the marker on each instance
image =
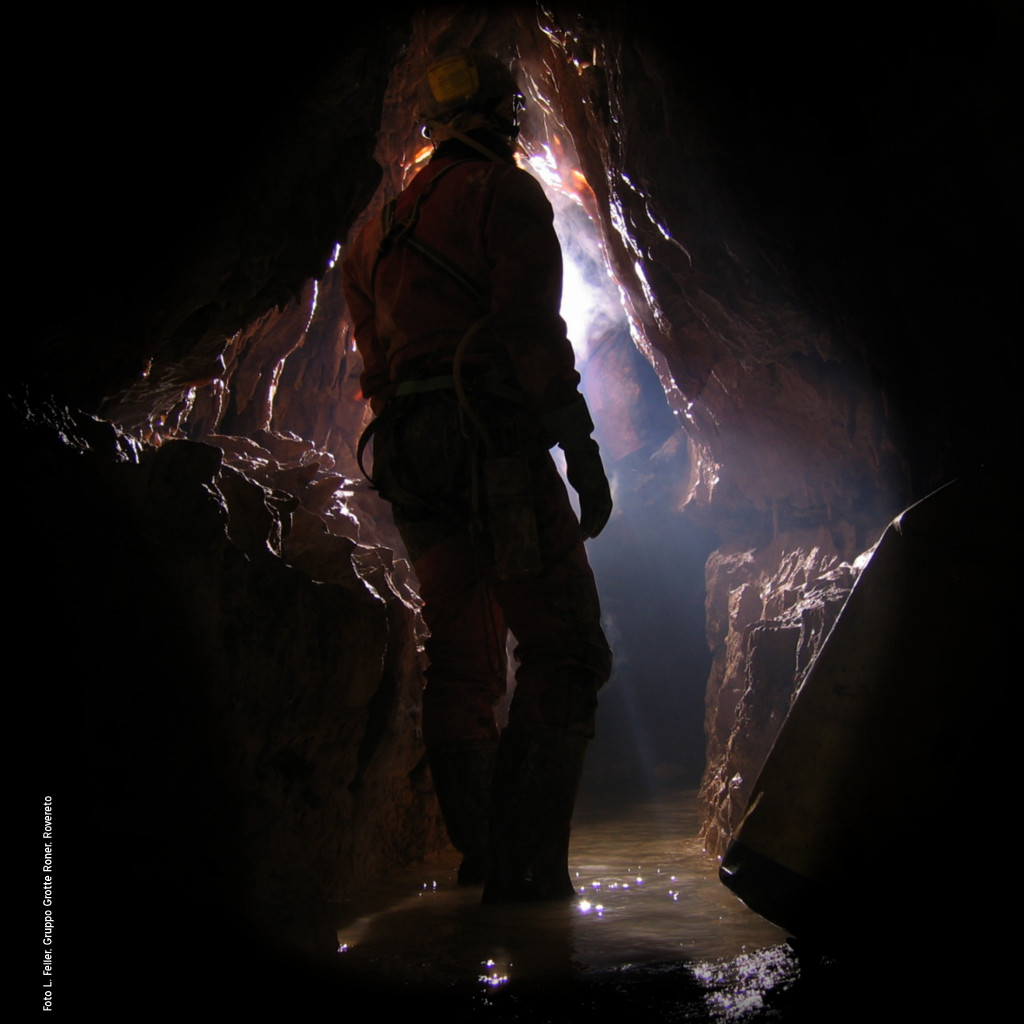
(357, 274)
(526, 291)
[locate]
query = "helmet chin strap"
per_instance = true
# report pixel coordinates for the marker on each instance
(439, 131)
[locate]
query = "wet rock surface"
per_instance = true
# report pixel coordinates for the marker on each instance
(244, 730)
(813, 248)
(769, 611)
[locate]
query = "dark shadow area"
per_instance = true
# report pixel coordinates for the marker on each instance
(175, 190)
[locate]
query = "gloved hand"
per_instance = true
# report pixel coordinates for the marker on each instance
(571, 426)
(586, 474)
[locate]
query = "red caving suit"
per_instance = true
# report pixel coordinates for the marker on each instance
(492, 223)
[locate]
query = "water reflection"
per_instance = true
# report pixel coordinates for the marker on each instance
(648, 895)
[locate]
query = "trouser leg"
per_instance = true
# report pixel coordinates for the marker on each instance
(464, 682)
(555, 615)
(463, 777)
(536, 780)
(564, 659)
(466, 676)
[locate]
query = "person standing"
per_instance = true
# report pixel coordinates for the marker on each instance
(454, 294)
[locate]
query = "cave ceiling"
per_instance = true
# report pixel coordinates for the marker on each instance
(813, 229)
(809, 239)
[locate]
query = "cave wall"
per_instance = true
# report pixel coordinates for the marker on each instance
(230, 704)
(811, 243)
(804, 251)
(791, 255)
(230, 696)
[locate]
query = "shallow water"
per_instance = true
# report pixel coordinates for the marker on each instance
(648, 895)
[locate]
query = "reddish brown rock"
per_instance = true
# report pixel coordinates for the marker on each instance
(768, 613)
(814, 249)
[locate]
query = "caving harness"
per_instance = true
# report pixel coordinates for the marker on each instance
(500, 483)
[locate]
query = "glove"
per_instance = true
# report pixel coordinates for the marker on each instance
(586, 474)
(571, 426)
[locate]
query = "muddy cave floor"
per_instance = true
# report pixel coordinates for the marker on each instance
(653, 936)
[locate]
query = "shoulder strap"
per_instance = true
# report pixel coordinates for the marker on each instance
(401, 233)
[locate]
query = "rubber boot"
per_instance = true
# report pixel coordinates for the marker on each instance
(462, 780)
(536, 779)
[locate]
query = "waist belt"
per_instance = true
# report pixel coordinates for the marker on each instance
(424, 384)
(488, 383)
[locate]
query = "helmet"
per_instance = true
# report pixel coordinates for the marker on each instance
(468, 82)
